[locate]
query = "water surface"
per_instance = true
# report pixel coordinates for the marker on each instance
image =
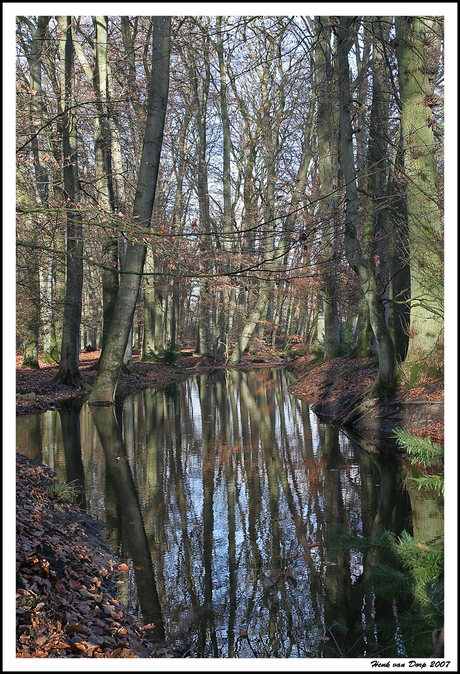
(222, 494)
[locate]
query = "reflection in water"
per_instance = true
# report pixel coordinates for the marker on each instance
(220, 493)
(123, 489)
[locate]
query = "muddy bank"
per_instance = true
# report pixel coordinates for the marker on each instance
(36, 390)
(338, 391)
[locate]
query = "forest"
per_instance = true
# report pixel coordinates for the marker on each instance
(226, 182)
(241, 219)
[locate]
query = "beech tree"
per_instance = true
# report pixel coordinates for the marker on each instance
(418, 53)
(355, 257)
(326, 124)
(112, 357)
(68, 372)
(270, 212)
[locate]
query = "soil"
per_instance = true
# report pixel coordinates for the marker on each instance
(37, 392)
(65, 600)
(339, 392)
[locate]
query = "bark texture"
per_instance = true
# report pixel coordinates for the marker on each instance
(418, 48)
(355, 257)
(112, 358)
(68, 372)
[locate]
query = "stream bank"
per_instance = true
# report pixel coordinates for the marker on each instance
(67, 578)
(336, 392)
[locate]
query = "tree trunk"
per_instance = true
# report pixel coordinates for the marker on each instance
(398, 256)
(375, 227)
(103, 171)
(112, 359)
(325, 126)
(418, 47)
(356, 260)
(274, 260)
(68, 372)
(34, 270)
(200, 103)
(228, 295)
(148, 343)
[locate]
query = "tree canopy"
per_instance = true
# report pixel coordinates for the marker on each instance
(299, 194)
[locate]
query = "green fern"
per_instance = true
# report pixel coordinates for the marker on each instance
(421, 449)
(428, 454)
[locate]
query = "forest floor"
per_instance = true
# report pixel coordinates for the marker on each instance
(339, 392)
(66, 602)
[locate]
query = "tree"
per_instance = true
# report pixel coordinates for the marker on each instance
(111, 361)
(246, 233)
(355, 257)
(199, 96)
(275, 231)
(398, 254)
(34, 269)
(418, 42)
(68, 372)
(326, 124)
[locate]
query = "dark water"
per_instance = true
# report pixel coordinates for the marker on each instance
(222, 495)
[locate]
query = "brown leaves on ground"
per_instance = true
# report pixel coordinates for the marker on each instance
(65, 599)
(37, 392)
(343, 374)
(343, 378)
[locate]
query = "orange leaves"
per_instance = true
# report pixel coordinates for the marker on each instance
(64, 605)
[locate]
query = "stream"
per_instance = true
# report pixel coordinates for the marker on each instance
(223, 495)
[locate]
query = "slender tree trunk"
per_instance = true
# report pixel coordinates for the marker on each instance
(159, 311)
(35, 265)
(103, 170)
(274, 255)
(398, 256)
(356, 260)
(375, 227)
(325, 126)
(68, 372)
(205, 328)
(177, 226)
(112, 359)
(228, 295)
(148, 343)
(50, 347)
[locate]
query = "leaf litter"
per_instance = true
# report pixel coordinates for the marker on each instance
(66, 604)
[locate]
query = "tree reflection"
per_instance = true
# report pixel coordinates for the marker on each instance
(221, 494)
(69, 414)
(119, 475)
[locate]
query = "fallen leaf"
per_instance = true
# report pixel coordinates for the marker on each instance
(76, 627)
